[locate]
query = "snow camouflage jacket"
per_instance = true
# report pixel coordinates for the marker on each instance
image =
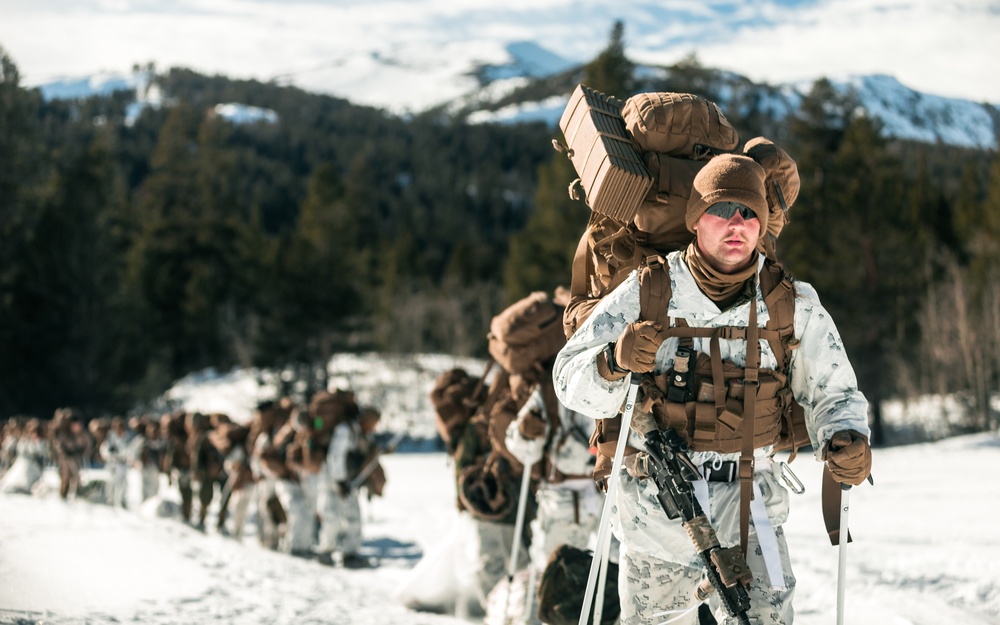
(568, 447)
(822, 381)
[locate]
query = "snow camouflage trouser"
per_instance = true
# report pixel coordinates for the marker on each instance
(300, 509)
(267, 529)
(239, 503)
(340, 517)
(495, 543)
(117, 484)
(565, 516)
(150, 481)
(654, 591)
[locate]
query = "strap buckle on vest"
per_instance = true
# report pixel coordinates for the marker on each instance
(746, 468)
(724, 471)
(731, 333)
(654, 261)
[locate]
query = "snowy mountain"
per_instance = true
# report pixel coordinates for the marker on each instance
(927, 77)
(904, 112)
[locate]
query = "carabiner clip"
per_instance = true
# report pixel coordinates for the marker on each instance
(790, 479)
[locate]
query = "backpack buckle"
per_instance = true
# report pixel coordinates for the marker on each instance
(654, 261)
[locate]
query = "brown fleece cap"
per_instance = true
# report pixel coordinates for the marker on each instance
(728, 178)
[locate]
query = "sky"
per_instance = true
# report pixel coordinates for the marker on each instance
(926, 547)
(421, 51)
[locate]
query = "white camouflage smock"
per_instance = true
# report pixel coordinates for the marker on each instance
(822, 381)
(568, 511)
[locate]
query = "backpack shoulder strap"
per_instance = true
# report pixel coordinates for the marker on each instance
(779, 297)
(578, 279)
(654, 290)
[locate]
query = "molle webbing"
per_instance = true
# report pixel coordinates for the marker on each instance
(751, 383)
(655, 293)
(698, 425)
(715, 422)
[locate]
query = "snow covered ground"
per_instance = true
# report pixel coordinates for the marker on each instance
(926, 552)
(926, 548)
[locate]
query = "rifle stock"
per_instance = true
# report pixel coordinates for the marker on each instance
(669, 466)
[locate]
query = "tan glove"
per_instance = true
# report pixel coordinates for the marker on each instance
(849, 457)
(635, 349)
(532, 426)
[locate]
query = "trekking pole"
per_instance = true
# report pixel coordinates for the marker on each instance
(597, 564)
(842, 539)
(522, 504)
(602, 578)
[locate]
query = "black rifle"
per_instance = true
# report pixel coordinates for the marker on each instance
(669, 466)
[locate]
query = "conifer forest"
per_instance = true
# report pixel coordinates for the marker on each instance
(134, 253)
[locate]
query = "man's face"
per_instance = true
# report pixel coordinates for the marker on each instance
(727, 244)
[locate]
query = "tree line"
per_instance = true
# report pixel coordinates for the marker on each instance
(136, 252)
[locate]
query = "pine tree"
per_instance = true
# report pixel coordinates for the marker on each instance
(611, 72)
(194, 261)
(541, 255)
(325, 279)
(851, 236)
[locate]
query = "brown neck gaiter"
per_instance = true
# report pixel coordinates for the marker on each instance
(721, 288)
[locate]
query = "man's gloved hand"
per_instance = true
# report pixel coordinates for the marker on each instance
(532, 425)
(635, 349)
(849, 457)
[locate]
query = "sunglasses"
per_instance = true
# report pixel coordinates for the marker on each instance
(726, 210)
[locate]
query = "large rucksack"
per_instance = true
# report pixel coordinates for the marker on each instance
(455, 397)
(675, 134)
(527, 333)
(487, 475)
(523, 340)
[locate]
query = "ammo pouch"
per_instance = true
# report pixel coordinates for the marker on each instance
(712, 419)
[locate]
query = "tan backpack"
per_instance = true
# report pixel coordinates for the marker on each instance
(675, 134)
(455, 397)
(781, 183)
(527, 333)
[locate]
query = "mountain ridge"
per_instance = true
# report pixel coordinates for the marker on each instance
(904, 112)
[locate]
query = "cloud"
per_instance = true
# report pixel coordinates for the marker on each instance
(366, 51)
